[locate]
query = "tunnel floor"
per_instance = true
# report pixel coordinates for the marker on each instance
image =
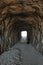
(21, 54)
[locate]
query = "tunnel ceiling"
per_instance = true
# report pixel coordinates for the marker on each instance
(30, 11)
(21, 26)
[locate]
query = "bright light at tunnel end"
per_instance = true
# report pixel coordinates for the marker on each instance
(24, 34)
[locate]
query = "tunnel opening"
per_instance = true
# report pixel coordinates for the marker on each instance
(23, 37)
(24, 31)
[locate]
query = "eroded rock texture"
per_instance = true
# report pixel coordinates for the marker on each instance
(17, 15)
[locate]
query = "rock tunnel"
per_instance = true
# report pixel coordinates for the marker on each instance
(17, 16)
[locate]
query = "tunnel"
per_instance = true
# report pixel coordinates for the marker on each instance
(17, 16)
(11, 31)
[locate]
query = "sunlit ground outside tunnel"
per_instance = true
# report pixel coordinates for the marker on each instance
(23, 37)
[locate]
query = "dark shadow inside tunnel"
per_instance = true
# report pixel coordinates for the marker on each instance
(24, 32)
